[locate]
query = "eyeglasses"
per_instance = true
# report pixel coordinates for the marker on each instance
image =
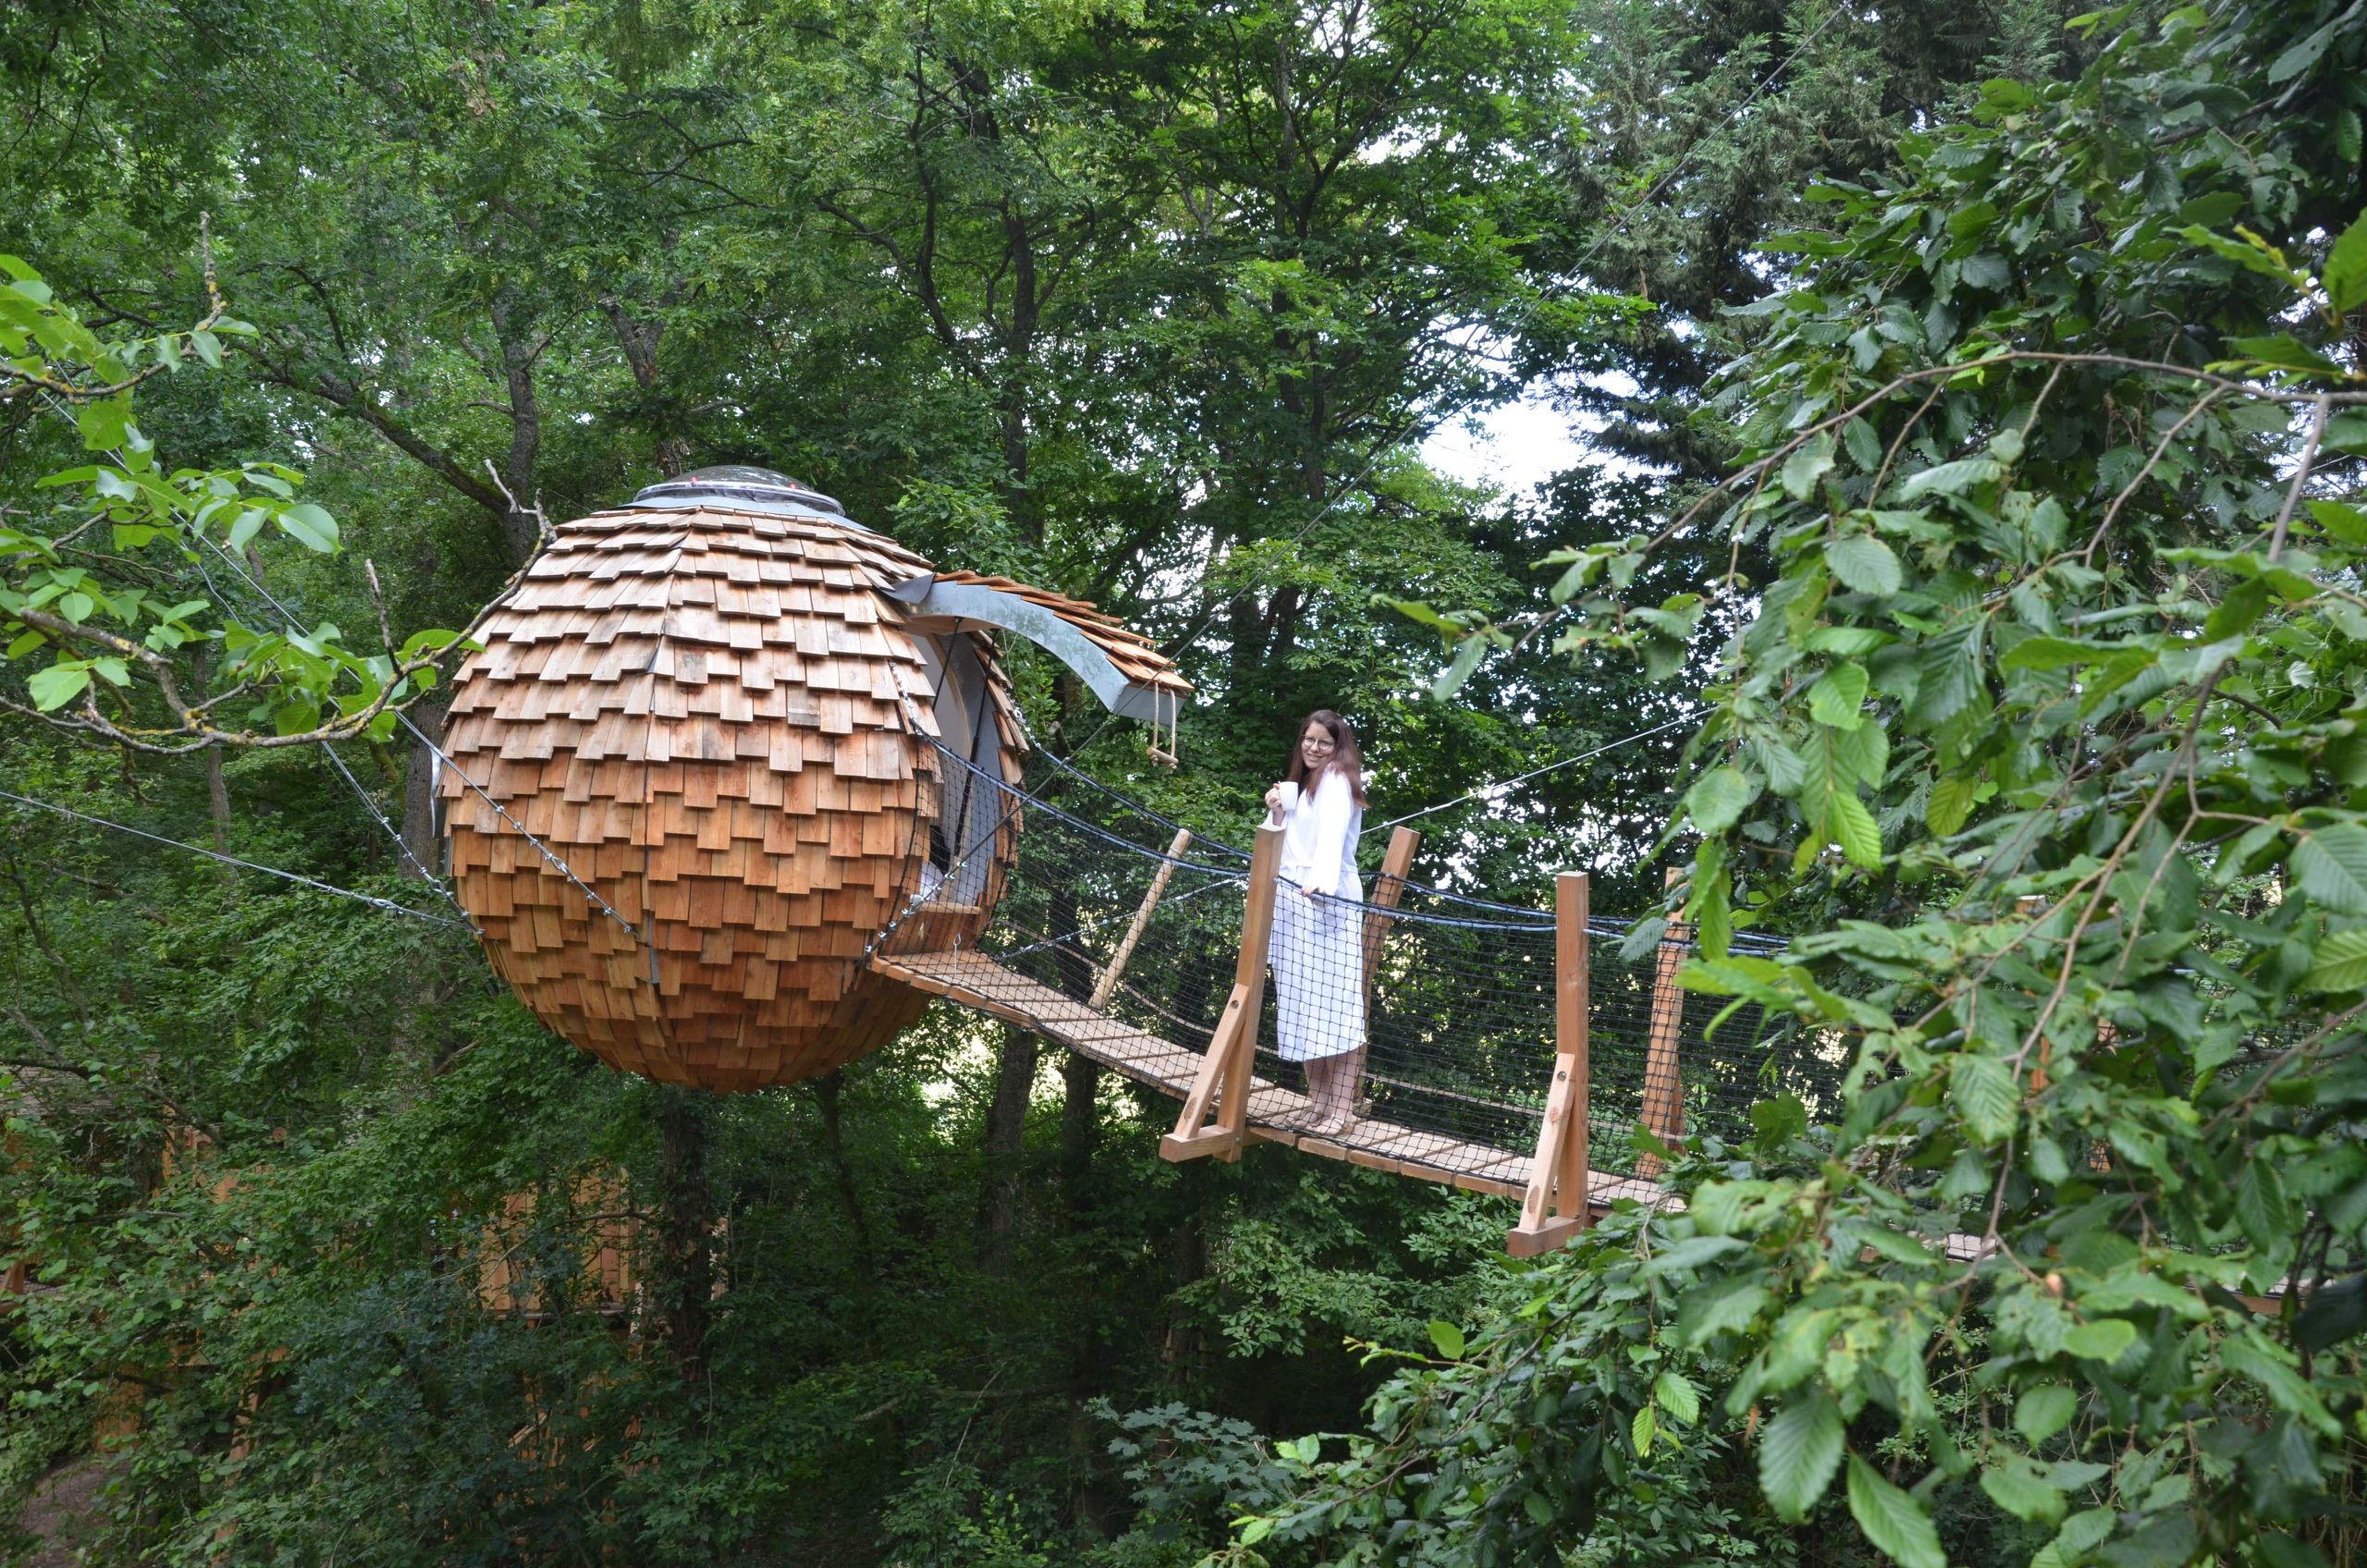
(1326, 744)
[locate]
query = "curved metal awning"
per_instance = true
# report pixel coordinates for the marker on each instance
(1130, 677)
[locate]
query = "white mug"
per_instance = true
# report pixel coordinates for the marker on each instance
(1289, 789)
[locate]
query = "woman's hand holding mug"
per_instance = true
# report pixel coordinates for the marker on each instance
(1281, 799)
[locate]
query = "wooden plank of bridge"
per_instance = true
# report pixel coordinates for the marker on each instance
(1222, 1084)
(975, 980)
(1107, 987)
(1664, 1089)
(1554, 1206)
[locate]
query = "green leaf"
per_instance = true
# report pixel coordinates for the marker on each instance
(2024, 1497)
(1718, 797)
(1459, 669)
(2050, 653)
(1836, 698)
(2080, 1533)
(2285, 353)
(2346, 523)
(2252, 1355)
(104, 422)
(2346, 274)
(1983, 1088)
(2283, 1552)
(1722, 1308)
(1448, 1338)
(2331, 867)
(2102, 1340)
(1848, 641)
(208, 348)
(2043, 1411)
(1865, 563)
(1805, 467)
(249, 524)
(1949, 479)
(2301, 55)
(1539, 1507)
(1853, 827)
(1951, 802)
(310, 526)
(59, 684)
(2340, 962)
(1642, 1430)
(1864, 447)
(1673, 1393)
(1797, 1454)
(1895, 1521)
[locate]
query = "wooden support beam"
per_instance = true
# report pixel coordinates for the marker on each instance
(1663, 1085)
(1555, 1207)
(1107, 987)
(1386, 890)
(1222, 1084)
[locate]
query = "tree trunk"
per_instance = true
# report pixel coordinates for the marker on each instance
(640, 336)
(1187, 1260)
(686, 1210)
(217, 791)
(521, 522)
(423, 845)
(826, 1090)
(1080, 1132)
(1006, 1140)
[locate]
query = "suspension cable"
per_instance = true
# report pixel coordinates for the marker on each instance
(550, 857)
(370, 806)
(1536, 772)
(371, 899)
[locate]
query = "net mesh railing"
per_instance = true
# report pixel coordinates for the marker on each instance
(1421, 1034)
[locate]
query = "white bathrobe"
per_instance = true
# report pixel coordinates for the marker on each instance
(1319, 945)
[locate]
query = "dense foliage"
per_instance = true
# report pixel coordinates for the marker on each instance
(2021, 689)
(2042, 731)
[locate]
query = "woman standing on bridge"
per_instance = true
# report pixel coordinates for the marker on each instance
(1318, 940)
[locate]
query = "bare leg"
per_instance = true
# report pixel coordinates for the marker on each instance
(1319, 1090)
(1330, 1079)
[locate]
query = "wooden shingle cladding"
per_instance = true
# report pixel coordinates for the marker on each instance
(702, 713)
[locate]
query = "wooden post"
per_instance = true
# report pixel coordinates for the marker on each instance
(1224, 1077)
(1554, 1208)
(1386, 890)
(1664, 1088)
(1107, 987)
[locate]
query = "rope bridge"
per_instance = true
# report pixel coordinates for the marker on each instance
(1501, 1049)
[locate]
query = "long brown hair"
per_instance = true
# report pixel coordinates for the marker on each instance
(1346, 760)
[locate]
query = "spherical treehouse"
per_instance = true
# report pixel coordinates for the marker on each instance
(720, 708)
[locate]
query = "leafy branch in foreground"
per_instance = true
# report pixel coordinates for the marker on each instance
(2046, 734)
(116, 588)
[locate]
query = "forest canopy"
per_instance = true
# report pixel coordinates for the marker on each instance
(1954, 619)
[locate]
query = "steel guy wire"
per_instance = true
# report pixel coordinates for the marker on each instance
(549, 856)
(1536, 772)
(393, 832)
(371, 899)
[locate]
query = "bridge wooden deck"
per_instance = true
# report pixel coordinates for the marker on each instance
(975, 980)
